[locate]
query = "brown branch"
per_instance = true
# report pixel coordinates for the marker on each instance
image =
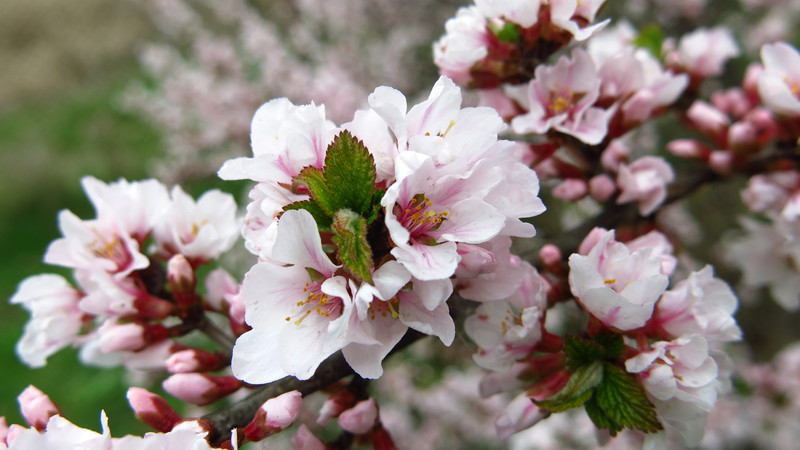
(331, 370)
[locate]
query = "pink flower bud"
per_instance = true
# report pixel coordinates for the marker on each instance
(602, 187)
(275, 415)
(720, 160)
(360, 418)
(686, 148)
(152, 409)
(305, 440)
(707, 119)
(36, 407)
(591, 240)
(200, 389)
(335, 404)
(192, 360)
(750, 83)
(742, 136)
(550, 255)
(182, 280)
(115, 337)
(571, 189)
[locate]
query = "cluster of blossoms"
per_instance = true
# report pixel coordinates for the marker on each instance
(639, 333)
(363, 231)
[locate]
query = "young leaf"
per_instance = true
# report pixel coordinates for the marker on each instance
(350, 235)
(319, 189)
(581, 351)
(578, 389)
(320, 216)
(651, 38)
(622, 400)
(612, 344)
(349, 175)
(599, 418)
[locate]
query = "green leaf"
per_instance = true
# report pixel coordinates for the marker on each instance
(612, 344)
(599, 417)
(320, 216)
(581, 352)
(350, 235)
(578, 389)
(622, 400)
(318, 188)
(651, 38)
(349, 175)
(509, 33)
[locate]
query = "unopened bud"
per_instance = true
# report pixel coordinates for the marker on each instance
(571, 189)
(182, 280)
(382, 440)
(550, 255)
(275, 415)
(360, 418)
(200, 389)
(152, 409)
(335, 404)
(742, 136)
(150, 307)
(602, 187)
(686, 148)
(192, 360)
(707, 119)
(305, 440)
(115, 337)
(36, 407)
(721, 160)
(615, 154)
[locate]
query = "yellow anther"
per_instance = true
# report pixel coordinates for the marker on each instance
(610, 281)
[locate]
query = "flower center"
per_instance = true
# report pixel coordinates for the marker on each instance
(316, 302)
(113, 250)
(383, 308)
(418, 217)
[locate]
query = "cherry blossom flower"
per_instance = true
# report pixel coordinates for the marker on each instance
(200, 230)
(779, 82)
(55, 321)
(464, 44)
(560, 97)
(681, 378)
(701, 304)
(298, 310)
(703, 52)
(616, 285)
(645, 182)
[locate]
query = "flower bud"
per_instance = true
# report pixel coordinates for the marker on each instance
(602, 187)
(550, 255)
(182, 280)
(192, 360)
(334, 405)
(571, 189)
(721, 160)
(152, 409)
(707, 119)
(686, 148)
(742, 136)
(36, 407)
(305, 440)
(115, 337)
(200, 389)
(151, 307)
(275, 415)
(360, 418)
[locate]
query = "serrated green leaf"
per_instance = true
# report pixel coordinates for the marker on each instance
(376, 205)
(349, 175)
(350, 235)
(578, 389)
(621, 398)
(320, 216)
(318, 188)
(581, 352)
(651, 38)
(599, 418)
